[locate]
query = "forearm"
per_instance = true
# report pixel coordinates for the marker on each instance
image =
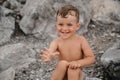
(54, 54)
(86, 61)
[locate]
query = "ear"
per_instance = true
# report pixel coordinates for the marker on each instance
(78, 26)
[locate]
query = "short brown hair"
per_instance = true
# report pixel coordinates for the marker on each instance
(68, 9)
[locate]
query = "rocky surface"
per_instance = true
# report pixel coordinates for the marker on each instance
(6, 25)
(27, 26)
(111, 61)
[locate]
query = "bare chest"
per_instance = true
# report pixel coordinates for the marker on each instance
(70, 51)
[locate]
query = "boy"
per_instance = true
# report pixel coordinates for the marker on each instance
(69, 47)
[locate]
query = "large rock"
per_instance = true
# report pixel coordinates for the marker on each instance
(111, 62)
(16, 55)
(7, 74)
(6, 25)
(106, 12)
(35, 16)
(13, 5)
(2, 1)
(39, 16)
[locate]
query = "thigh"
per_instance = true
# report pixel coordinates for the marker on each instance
(66, 76)
(60, 70)
(75, 74)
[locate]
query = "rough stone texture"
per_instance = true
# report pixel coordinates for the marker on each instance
(36, 18)
(1, 1)
(111, 55)
(15, 4)
(111, 61)
(17, 55)
(22, 1)
(93, 79)
(7, 74)
(6, 25)
(106, 12)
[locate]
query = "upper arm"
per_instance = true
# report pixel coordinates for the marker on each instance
(86, 48)
(53, 46)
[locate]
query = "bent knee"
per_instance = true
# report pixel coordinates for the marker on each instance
(63, 63)
(74, 71)
(53, 78)
(75, 74)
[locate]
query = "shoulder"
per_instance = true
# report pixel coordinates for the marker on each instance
(55, 41)
(82, 38)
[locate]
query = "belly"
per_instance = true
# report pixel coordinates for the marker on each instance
(70, 56)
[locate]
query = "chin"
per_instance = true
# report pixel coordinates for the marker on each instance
(64, 37)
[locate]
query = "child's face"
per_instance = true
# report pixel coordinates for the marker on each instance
(66, 27)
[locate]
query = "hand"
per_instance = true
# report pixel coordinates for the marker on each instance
(74, 65)
(47, 55)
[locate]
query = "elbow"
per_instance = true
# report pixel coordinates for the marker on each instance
(92, 59)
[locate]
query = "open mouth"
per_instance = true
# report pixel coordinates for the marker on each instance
(65, 32)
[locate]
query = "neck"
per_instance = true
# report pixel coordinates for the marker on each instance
(70, 38)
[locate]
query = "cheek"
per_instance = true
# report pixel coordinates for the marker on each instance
(58, 29)
(72, 30)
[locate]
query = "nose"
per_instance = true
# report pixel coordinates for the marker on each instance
(65, 28)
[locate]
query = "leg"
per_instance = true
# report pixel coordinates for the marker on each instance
(75, 74)
(60, 70)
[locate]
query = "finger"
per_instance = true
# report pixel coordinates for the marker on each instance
(71, 66)
(44, 52)
(79, 66)
(74, 66)
(46, 49)
(41, 52)
(67, 64)
(42, 58)
(45, 58)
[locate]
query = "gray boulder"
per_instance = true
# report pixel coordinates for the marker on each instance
(111, 61)
(16, 55)
(7, 74)
(106, 12)
(6, 25)
(13, 5)
(35, 16)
